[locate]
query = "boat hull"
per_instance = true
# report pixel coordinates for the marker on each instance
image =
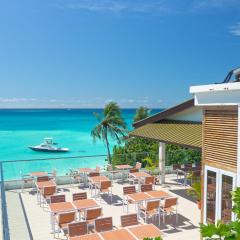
(58, 150)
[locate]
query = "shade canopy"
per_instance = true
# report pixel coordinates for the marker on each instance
(186, 134)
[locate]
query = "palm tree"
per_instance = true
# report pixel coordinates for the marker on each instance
(141, 113)
(111, 123)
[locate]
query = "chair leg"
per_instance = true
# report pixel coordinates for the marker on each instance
(159, 218)
(176, 217)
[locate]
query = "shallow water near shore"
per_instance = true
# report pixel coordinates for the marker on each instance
(71, 128)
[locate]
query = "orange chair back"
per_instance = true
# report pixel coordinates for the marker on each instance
(146, 187)
(77, 229)
(105, 185)
(103, 224)
(170, 202)
(66, 217)
(43, 179)
(93, 213)
(152, 205)
(94, 174)
(58, 198)
(79, 196)
(129, 220)
(47, 191)
(129, 190)
(98, 169)
(133, 170)
(149, 180)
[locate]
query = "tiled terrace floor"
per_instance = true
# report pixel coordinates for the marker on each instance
(28, 221)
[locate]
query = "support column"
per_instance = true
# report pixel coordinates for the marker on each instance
(162, 154)
(238, 149)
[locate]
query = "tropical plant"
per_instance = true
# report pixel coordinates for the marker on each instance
(179, 155)
(141, 113)
(110, 124)
(225, 231)
(195, 190)
(135, 150)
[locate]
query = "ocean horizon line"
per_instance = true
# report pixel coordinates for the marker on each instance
(69, 108)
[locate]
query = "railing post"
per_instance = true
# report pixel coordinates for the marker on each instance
(5, 226)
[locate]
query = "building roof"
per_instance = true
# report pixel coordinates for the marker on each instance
(165, 114)
(186, 134)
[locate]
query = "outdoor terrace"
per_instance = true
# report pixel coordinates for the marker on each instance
(27, 220)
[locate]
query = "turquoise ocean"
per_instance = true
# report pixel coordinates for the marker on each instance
(71, 128)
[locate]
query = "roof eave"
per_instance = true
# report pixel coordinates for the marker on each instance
(162, 115)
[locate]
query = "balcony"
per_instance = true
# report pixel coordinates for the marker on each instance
(24, 218)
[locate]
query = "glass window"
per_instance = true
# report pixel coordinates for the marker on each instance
(227, 186)
(211, 196)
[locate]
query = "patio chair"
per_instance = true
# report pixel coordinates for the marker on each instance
(63, 219)
(43, 179)
(47, 193)
(26, 179)
(196, 166)
(91, 214)
(149, 180)
(77, 229)
(179, 170)
(103, 224)
(105, 187)
(79, 196)
(111, 173)
(53, 175)
(138, 165)
(194, 176)
(91, 186)
(151, 209)
(129, 220)
(75, 176)
(98, 169)
(169, 206)
(94, 174)
(146, 187)
(131, 179)
(127, 190)
(57, 198)
(133, 170)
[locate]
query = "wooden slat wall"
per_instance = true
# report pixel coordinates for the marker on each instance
(220, 137)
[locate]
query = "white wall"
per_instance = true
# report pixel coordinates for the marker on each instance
(192, 114)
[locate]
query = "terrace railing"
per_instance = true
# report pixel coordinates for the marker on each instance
(3, 209)
(10, 171)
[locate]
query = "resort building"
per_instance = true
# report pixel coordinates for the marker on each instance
(209, 122)
(221, 147)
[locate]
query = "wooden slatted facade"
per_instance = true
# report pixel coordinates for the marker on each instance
(220, 129)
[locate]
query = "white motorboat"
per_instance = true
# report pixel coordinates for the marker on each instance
(48, 146)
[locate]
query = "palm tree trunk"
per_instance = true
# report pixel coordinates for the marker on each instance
(109, 154)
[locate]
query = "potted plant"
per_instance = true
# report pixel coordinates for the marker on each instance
(195, 192)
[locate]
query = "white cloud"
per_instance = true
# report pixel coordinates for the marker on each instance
(117, 5)
(235, 29)
(148, 6)
(17, 100)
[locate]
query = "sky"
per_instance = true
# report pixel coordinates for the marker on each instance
(86, 53)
